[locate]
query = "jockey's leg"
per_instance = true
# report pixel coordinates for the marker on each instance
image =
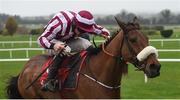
(50, 84)
(79, 44)
(76, 46)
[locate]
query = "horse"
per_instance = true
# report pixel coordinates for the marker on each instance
(101, 75)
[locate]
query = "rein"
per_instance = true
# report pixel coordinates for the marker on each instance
(135, 61)
(106, 52)
(110, 54)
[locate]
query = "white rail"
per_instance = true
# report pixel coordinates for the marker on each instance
(40, 49)
(19, 49)
(26, 59)
(35, 42)
(168, 50)
(169, 60)
(95, 40)
(22, 49)
(17, 42)
(164, 40)
(18, 59)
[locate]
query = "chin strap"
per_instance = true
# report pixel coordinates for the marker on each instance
(145, 78)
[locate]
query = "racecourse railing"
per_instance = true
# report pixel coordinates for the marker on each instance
(22, 49)
(27, 50)
(26, 59)
(12, 43)
(35, 42)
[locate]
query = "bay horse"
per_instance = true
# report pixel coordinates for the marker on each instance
(101, 77)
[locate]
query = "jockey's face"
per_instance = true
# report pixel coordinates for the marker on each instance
(78, 31)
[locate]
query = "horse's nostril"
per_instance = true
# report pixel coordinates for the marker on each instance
(155, 67)
(154, 70)
(159, 67)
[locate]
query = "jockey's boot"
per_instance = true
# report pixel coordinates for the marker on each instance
(51, 83)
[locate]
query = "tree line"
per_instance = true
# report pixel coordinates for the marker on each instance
(164, 17)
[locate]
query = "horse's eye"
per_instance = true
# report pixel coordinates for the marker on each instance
(133, 40)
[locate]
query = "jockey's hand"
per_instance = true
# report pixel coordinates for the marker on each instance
(105, 36)
(58, 47)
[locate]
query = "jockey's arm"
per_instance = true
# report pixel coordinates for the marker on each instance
(101, 31)
(105, 33)
(49, 34)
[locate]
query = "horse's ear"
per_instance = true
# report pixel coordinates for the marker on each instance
(136, 23)
(135, 20)
(120, 23)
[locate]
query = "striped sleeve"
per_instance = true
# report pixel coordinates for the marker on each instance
(100, 30)
(50, 32)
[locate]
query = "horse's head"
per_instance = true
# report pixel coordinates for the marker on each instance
(136, 50)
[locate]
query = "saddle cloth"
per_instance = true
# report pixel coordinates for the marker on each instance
(68, 72)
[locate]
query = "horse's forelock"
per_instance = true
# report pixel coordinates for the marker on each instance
(132, 26)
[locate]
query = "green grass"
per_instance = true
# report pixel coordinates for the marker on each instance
(18, 54)
(175, 35)
(166, 44)
(168, 55)
(18, 45)
(166, 86)
(22, 54)
(8, 69)
(17, 38)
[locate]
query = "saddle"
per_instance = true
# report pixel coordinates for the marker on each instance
(68, 70)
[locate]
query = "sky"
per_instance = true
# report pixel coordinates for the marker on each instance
(47, 7)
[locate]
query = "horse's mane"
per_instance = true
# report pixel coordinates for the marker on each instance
(96, 50)
(132, 26)
(109, 40)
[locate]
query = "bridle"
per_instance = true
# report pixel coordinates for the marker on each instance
(137, 59)
(134, 61)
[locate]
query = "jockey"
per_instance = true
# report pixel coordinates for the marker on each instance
(63, 33)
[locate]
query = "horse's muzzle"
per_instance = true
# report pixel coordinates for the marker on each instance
(153, 70)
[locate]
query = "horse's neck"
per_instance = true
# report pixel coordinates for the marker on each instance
(105, 67)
